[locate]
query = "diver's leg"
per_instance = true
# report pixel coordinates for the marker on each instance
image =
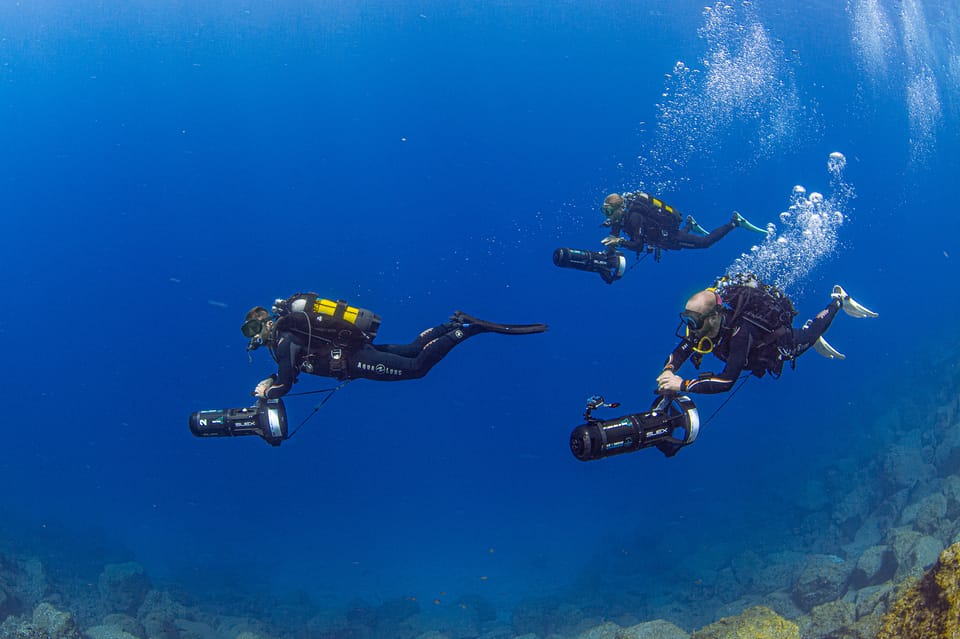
(378, 364)
(413, 348)
(804, 338)
(689, 240)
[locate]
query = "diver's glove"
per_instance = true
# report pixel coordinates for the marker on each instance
(262, 388)
(611, 240)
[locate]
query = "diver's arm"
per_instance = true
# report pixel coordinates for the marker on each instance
(286, 375)
(668, 380)
(633, 245)
(613, 240)
(680, 354)
(708, 383)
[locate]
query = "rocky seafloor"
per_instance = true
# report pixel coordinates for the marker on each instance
(872, 552)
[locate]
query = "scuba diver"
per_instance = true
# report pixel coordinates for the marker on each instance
(651, 226)
(748, 325)
(745, 323)
(306, 333)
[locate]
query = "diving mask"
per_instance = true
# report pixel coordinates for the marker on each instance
(252, 327)
(695, 327)
(695, 321)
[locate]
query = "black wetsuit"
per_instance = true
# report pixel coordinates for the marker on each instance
(645, 224)
(746, 346)
(381, 362)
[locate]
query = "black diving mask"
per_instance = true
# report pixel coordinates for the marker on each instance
(695, 321)
(252, 327)
(691, 325)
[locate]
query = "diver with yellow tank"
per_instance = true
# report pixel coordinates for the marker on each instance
(306, 333)
(650, 226)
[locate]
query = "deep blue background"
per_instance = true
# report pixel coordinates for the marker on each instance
(162, 170)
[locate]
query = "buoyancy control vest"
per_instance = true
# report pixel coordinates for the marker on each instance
(659, 219)
(766, 307)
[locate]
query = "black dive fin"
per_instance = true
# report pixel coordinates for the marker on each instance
(505, 329)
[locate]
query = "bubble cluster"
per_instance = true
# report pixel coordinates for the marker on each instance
(836, 163)
(875, 41)
(923, 108)
(873, 37)
(742, 92)
(807, 233)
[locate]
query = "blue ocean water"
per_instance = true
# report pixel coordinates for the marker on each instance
(165, 168)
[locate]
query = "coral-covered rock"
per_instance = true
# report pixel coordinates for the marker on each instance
(23, 585)
(753, 623)
(54, 623)
(9, 605)
(603, 631)
(17, 628)
(108, 632)
(951, 492)
(158, 613)
(863, 628)
(876, 565)
(903, 466)
(195, 630)
(930, 608)
(926, 515)
(126, 623)
(658, 629)
(914, 552)
(123, 587)
(781, 603)
(822, 579)
(778, 572)
(32, 585)
(824, 620)
(47, 623)
(873, 600)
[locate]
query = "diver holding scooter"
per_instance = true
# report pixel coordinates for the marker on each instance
(651, 226)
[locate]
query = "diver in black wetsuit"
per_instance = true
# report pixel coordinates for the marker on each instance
(648, 222)
(749, 329)
(309, 334)
(651, 226)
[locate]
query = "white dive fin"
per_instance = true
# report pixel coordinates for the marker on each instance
(823, 347)
(850, 306)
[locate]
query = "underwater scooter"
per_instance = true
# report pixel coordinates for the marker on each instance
(610, 265)
(267, 419)
(671, 423)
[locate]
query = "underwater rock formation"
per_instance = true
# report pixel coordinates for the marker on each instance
(753, 623)
(123, 587)
(876, 565)
(822, 579)
(658, 629)
(47, 623)
(930, 608)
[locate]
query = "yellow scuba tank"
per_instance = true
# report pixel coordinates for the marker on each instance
(366, 321)
(318, 318)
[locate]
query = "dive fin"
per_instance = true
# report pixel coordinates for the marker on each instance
(493, 327)
(744, 223)
(850, 306)
(696, 228)
(823, 347)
